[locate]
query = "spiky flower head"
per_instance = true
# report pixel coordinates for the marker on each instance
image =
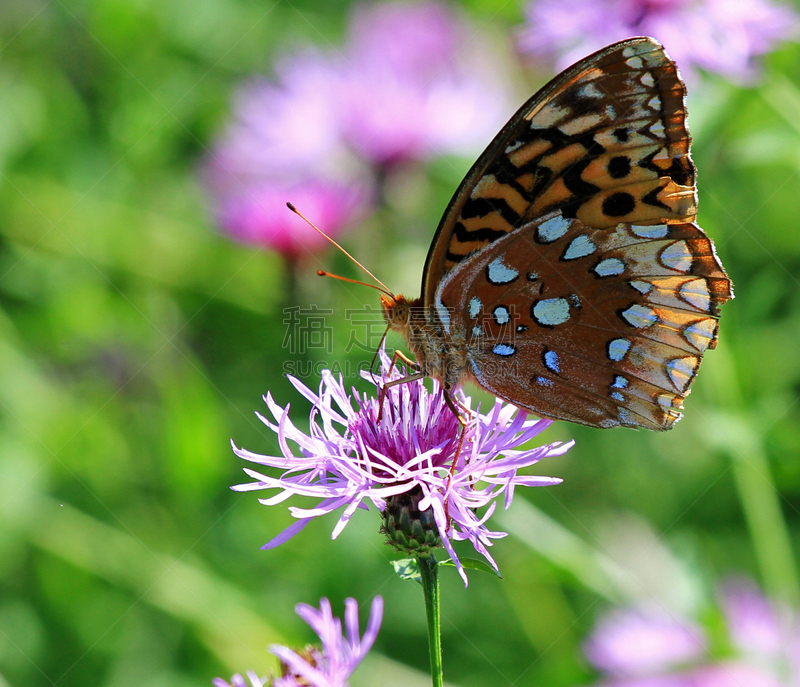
(356, 454)
(334, 662)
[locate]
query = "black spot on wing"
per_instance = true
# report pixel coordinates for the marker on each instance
(621, 134)
(619, 166)
(619, 204)
(680, 169)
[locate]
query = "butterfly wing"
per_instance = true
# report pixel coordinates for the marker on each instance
(603, 327)
(604, 142)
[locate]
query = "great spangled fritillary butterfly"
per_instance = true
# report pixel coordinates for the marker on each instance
(567, 274)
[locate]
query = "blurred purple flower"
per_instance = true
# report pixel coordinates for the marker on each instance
(413, 82)
(634, 643)
(727, 674)
(350, 457)
(754, 622)
(636, 649)
(713, 35)
(258, 214)
(653, 681)
(340, 654)
(283, 144)
(289, 125)
(418, 81)
(735, 674)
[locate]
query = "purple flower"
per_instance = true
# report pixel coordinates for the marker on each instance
(284, 144)
(712, 35)
(418, 81)
(759, 628)
(350, 458)
(288, 125)
(636, 643)
(735, 674)
(340, 654)
(413, 82)
(727, 674)
(653, 681)
(258, 214)
(238, 681)
(670, 651)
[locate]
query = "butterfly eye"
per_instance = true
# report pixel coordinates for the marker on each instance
(401, 314)
(395, 310)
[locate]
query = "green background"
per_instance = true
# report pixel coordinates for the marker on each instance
(135, 342)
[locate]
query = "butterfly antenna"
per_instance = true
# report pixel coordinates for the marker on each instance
(322, 273)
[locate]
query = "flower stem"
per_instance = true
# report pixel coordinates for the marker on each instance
(760, 500)
(429, 572)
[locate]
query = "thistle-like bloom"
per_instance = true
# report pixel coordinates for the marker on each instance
(238, 681)
(284, 143)
(413, 82)
(638, 649)
(712, 35)
(334, 663)
(659, 641)
(352, 457)
(258, 215)
(419, 81)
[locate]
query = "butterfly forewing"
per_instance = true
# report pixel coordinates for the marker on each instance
(604, 142)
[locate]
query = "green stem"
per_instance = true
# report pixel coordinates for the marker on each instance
(768, 530)
(429, 571)
(758, 496)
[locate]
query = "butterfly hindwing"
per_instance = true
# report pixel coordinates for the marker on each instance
(597, 326)
(604, 142)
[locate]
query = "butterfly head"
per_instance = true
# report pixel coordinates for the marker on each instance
(396, 311)
(402, 314)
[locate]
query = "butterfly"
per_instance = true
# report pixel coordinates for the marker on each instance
(567, 274)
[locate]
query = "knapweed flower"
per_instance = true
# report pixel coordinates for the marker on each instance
(634, 648)
(334, 663)
(630, 642)
(258, 214)
(414, 81)
(284, 143)
(419, 81)
(238, 681)
(712, 35)
(355, 454)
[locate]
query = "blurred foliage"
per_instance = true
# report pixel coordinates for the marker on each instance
(135, 342)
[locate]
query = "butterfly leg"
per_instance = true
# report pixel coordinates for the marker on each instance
(457, 409)
(395, 382)
(461, 421)
(403, 380)
(405, 359)
(448, 399)
(453, 468)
